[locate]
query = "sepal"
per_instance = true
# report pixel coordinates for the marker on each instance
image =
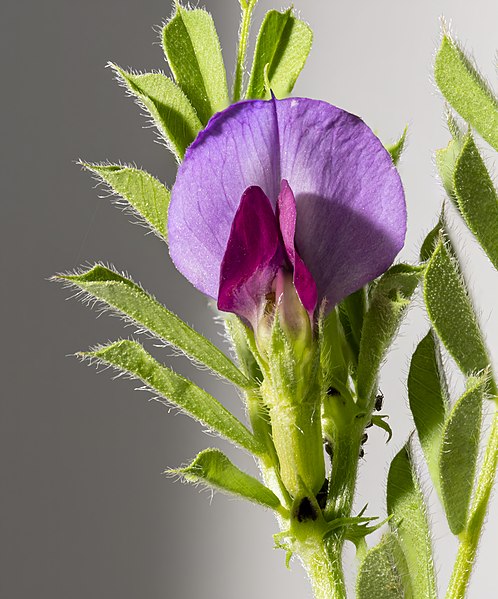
(397, 148)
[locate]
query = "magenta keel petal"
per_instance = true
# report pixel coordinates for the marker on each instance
(303, 280)
(252, 256)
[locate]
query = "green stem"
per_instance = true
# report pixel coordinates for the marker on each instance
(346, 447)
(247, 8)
(469, 539)
(323, 562)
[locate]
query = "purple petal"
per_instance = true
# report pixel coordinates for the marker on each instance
(351, 215)
(252, 257)
(303, 280)
(238, 149)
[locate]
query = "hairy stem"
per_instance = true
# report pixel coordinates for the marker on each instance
(323, 562)
(247, 8)
(346, 448)
(469, 539)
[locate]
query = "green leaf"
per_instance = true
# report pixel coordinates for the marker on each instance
(384, 572)
(466, 90)
(214, 469)
(428, 396)
(477, 198)
(136, 304)
(445, 161)
(405, 504)
(131, 358)
(389, 299)
(283, 44)
(167, 104)
(451, 312)
(193, 51)
(396, 149)
(432, 239)
(147, 196)
(355, 306)
(458, 455)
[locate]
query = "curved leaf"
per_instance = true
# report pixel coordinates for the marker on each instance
(458, 455)
(167, 104)
(282, 47)
(214, 469)
(136, 304)
(451, 312)
(131, 358)
(147, 196)
(388, 302)
(477, 198)
(384, 572)
(405, 504)
(193, 51)
(428, 397)
(466, 90)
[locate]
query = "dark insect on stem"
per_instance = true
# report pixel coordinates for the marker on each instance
(364, 438)
(379, 401)
(369, 424)
(332, 391)
(321, 497)
(306, 511)
(362, 452)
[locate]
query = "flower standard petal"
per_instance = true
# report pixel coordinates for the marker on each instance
(252, 257)
(351, 214)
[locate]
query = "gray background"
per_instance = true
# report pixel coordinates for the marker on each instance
(85, 510)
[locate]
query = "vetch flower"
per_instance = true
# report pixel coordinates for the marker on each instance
(285, 190)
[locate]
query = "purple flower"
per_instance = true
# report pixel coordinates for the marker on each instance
(281, 190)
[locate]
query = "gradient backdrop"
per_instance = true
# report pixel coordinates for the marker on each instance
(85, 509)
